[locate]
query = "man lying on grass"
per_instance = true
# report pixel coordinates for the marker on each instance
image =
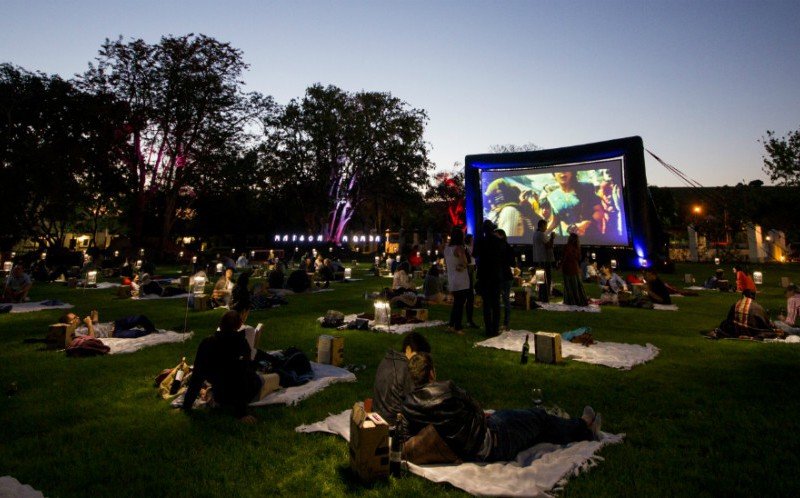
(392, 380)
(127, 327)
(441, 411)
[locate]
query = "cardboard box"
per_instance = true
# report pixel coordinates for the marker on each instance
(200, 303)
(547, 347)
(124, 291)
(330, 350)
(418, 313)
(60, 335)
(369, 445)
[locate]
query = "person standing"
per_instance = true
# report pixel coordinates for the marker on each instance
(574, 293)
(457, 277)
(543, 257)
(489, 255)
(509, 262)
(470, 306)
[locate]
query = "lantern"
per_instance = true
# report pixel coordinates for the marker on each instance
(758, 278)
(383, 313)
(91, 278)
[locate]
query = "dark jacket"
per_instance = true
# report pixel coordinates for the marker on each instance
(490, 255)
(457, 418)
(392, 384)
(223, 360)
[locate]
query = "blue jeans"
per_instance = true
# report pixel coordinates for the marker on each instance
(788, 329)
(128, 323)
(518, 430)
(505, 295)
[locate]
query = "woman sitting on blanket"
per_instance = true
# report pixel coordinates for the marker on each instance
(128, 327)
(223, 359)
(401, 281)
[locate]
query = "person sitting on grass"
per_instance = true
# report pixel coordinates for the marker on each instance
(401, 282)
(788, 324)
(743, 279)
(224, 360)
(610, 282)
(432, 286)
(655, 289)
(18, 284)
(151, 287)
(298, 281)
(221, 295)
(325, 274)
(471, 434)
(747, 320)
(128, 327)
(713, 280)
(392, 380)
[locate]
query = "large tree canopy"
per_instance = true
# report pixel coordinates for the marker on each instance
(332, 151)
(186, 110)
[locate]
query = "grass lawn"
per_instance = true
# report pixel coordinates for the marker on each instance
(705, 418)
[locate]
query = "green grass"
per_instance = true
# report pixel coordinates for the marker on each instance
(704, 418)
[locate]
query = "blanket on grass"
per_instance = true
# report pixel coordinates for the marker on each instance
(185, 295)
(103, 285)
(394, 329)
(591, 308)
(609, 354)
(120, 346)
(51, 304)
(11, 487)
(665, 307)
(324, 375)
(700, 288)
(535, 472)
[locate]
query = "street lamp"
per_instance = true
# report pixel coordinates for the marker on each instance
(697, 209)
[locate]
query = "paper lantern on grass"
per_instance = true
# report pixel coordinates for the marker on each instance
(377, 260)
(194, 259)
(91, 278)
(43, 255)
(13, 255)
(7, 265)
(522, 257)
(613, 263)
(220, 268)
(541, 276)
(138, 264)
(141, 252)
(116, 254)
(348, 273)
(758, 278)
(383, 313)
(716, 261)
(199, 284)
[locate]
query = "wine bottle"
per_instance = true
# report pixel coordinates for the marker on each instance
(178, 379)
(395, 448)
(526, 347)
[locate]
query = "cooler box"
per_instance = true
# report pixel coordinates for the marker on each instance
(369, 445)
(547, 347)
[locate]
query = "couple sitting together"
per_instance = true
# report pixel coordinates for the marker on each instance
(446, 425)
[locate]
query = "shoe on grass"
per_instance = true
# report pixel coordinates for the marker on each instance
(595, 427)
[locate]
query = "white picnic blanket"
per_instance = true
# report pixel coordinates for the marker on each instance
(609, 354)
(324, 375)
(156, 296)
(700, 288)
(535, 471)
(38, 306)
(10, 487)
(119, 345)
(591, 308)
(101, 285)
(394, 329)
(665, 307)
(792, 339)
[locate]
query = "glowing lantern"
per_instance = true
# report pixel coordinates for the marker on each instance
(7, 265)
(199, 284)
(758, 278)
(348, 273)
(91, 278)
(383, 313)
(613, 263)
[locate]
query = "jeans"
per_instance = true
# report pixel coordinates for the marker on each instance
(788, 329)
(505, 295)
(491, 308)
(459, 299)
(133, 322)
(518, 430)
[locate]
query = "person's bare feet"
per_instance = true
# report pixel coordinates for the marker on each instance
(95, 316)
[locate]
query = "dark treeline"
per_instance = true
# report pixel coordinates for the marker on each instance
(157, 141)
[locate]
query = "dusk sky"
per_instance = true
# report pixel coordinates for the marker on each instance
(699, 81)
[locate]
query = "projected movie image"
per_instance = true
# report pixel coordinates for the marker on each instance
(584, 198)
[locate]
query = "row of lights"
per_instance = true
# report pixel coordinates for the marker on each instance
(319, 238)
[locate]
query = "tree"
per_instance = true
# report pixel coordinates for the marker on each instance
(186, 110)
(58, 145)
(782, 159)
(504, 148)
(336, 150)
